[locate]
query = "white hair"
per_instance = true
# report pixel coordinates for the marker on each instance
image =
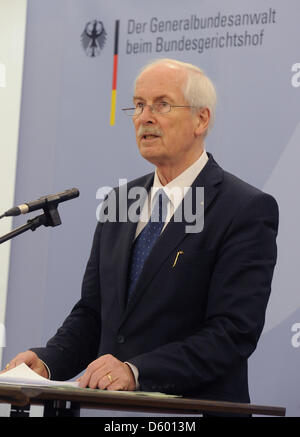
(198, 89)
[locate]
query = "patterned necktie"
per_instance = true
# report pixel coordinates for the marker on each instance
(147, 238)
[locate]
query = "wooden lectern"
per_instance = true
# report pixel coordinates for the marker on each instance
(67, 401)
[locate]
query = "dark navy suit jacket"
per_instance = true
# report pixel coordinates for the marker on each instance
(189, 329)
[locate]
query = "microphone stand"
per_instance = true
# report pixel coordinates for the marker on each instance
(49, 218)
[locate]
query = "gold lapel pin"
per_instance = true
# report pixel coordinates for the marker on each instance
(180, 252)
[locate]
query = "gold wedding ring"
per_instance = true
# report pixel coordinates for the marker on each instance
(109, 377)
(7, 366)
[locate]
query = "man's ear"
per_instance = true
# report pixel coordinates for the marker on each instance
(202, 121)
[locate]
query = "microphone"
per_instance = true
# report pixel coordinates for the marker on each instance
(42, 202)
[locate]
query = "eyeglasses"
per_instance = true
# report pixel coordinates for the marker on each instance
(156, 108)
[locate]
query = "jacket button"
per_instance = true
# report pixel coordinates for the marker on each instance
(120, 339)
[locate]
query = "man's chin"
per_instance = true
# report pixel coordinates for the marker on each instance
(151, 155)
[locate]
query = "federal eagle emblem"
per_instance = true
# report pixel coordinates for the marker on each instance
(93, 38)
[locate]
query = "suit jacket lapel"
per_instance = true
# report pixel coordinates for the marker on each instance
(209, 178)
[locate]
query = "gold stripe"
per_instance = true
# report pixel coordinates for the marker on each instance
(113, 107)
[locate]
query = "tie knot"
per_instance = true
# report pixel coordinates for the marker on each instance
(160, 207)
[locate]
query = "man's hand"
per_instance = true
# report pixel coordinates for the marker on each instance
(107, 372)
(32, 360)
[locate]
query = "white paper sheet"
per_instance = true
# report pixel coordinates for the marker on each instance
(23, 375)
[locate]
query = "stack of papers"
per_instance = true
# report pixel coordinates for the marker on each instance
(23, 375)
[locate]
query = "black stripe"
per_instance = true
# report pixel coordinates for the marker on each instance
(116, 36)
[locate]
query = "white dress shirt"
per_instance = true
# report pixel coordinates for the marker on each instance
(175, 190)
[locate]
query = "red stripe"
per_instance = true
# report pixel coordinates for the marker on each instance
(114, 84)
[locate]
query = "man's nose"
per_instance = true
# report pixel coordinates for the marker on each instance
(147, 115)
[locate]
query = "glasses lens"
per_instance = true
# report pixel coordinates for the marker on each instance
(161, 107)
(138, 110)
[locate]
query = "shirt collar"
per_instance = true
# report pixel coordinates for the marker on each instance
(184, 180)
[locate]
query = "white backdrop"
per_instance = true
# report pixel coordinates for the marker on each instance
(12, 37)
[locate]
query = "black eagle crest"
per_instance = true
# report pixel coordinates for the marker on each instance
(93, 38)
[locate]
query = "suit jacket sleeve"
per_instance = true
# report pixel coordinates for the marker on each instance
(235, 311)
(76, 342)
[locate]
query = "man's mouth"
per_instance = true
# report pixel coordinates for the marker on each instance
(149, 133)
(149, 137)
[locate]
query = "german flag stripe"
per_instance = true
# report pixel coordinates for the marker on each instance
(115, 75)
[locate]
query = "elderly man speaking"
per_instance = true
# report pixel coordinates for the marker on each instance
(163, 309)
